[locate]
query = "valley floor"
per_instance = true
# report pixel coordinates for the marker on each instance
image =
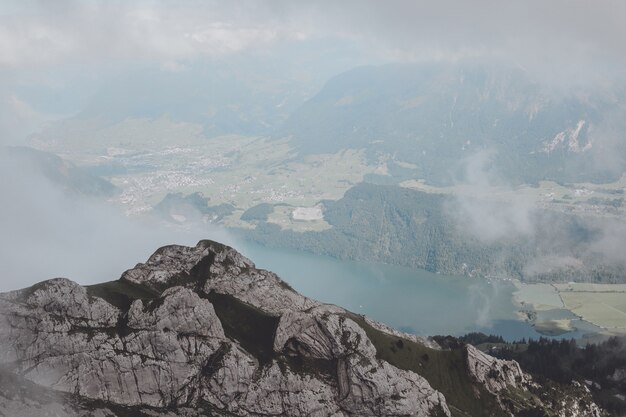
(603, 305)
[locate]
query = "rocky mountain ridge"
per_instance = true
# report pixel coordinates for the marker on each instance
(433, 115)
(201, 331)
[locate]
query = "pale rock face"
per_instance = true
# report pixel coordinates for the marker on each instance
(166, 264)
(370, 387)
(177, 350)
(74, 345)
(327, 336)
(303, 328)
(494, 374)
(286, 393)
(258, 288)
(367, 386)
(64, 298)
(230, 373)
(228, 272)
(184, 312)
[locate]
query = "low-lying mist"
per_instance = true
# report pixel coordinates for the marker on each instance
(498, 214)
(49, 232)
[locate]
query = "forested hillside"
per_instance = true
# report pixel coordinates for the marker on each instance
(432, 115)
(406, 227)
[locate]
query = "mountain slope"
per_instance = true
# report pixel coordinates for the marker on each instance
(401, 226)
(433, 115)
(200, 331)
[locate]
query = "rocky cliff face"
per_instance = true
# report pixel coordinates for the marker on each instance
(200, 331)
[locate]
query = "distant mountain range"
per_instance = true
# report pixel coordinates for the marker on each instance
(246, 95)
(431, 115)
(434, 115)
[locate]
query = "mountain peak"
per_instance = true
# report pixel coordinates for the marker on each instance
(201, 331)
(175, 264)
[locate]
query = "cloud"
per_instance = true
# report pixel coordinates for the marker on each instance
(479, 213)
(17, 117)
(544, 240)
(564, 37)
(48, 233)
(79, 32)
(609, 247)
(608, 144)
(85, 43)
(531, 31)
(480, 299)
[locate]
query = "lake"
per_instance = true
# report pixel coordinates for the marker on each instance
(413, 300)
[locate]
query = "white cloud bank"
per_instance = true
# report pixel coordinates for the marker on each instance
(562, 36)
(48, 233)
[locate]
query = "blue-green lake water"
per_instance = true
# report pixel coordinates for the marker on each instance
(412, 300)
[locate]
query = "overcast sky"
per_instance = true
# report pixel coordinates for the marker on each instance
(71, 45)
(63, 32)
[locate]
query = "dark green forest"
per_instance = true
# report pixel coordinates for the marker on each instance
(395, 225)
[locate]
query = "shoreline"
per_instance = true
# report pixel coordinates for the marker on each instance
(544, 307)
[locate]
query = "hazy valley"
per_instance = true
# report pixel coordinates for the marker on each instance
(358, 199)
(362, 209)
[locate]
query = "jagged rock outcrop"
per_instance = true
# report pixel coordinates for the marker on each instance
(495, 374)
(200, 331)
(325, 336)
(369, 385)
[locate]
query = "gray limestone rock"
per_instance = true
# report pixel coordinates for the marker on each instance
(200, 331)
(371, 387)
(326, 336)
(494, 374)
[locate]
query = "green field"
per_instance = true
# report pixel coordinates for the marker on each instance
(600, 304)
(147, 159)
